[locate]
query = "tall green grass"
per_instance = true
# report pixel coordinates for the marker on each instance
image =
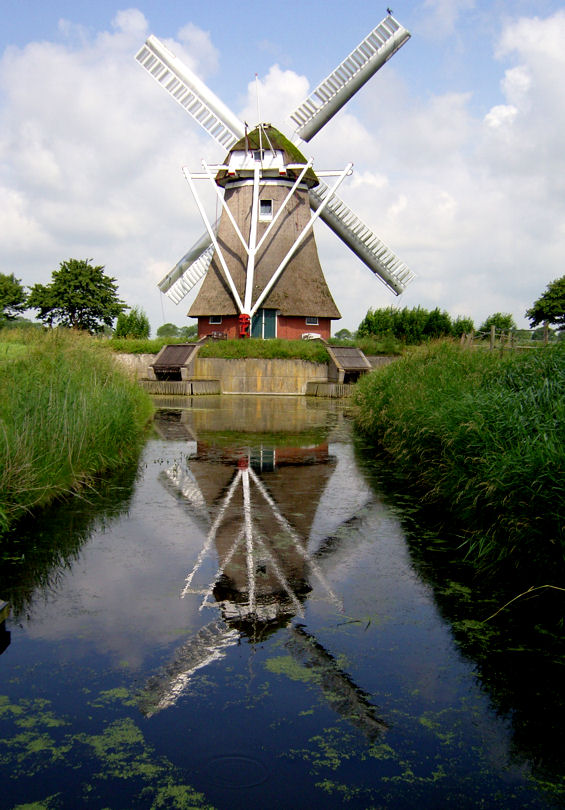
(484, 438)
(67, 414)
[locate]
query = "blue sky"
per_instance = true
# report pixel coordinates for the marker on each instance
(457, 141)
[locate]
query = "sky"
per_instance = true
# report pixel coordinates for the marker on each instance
(458, 142)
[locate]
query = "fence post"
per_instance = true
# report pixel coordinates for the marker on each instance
(545, 332)
(492, 335)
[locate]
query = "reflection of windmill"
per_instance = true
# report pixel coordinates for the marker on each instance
(263, 571)
(259, 261)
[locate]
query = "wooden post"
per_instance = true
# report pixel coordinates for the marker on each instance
(545, 332)
(492, 335)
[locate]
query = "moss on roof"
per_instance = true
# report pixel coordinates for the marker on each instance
(271, 138)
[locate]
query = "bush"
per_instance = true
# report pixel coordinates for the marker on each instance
(483, 436)
(133, 324)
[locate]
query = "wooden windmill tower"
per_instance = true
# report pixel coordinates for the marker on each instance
(259, 261)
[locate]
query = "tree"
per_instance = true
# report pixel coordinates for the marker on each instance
(188, 332)
(500, 320)
(438, 324)
(133, 324)
(168, 330)
(343, 334)
(550, 306)
(462, 326)
(80, 296)
(12, 297)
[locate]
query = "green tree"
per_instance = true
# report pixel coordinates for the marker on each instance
(133, 324)
(343, 334)
(12, 297)
(462, 326)
(438, 324)
(550, 306)
(500, 320)
(168, 330)
(80, 296)
(188, 332)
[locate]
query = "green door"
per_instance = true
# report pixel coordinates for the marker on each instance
(264, 324)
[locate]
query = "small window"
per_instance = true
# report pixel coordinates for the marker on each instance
(258, 154)
(215, 319)
(311, 321)
(265, 210)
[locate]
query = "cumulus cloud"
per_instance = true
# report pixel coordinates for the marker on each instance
(91, 150)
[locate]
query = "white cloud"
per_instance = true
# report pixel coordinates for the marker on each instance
(91, 150)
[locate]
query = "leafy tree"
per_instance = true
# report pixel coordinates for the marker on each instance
(168, 330)
(188, 332)
(500, 320)
(377, 322)
(343, 334)
(462, 326)
(133, 324)
(12, 297)
(550, 306)
(438, 324)
(80, 296)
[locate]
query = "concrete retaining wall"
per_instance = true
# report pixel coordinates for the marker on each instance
(254, 376)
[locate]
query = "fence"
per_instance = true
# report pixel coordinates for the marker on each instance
(509, 339)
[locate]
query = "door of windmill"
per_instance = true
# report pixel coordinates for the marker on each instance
(264, 324)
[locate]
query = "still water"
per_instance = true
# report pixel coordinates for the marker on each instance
(240, 623)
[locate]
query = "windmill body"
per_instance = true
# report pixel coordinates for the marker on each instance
(259, 262)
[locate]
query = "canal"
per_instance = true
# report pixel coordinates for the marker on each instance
(243, 621)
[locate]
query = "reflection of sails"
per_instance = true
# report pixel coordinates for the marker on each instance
(165, 688)
(246, 502)
(343, 695)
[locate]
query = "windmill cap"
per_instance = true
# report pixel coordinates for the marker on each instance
(267, 139)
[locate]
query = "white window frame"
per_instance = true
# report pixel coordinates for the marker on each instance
(265, 216)
(215, 320)
(312, 320)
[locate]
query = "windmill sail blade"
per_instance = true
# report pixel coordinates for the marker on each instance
(356, 69)
(191, 93)
(361, 239)
(189, 270)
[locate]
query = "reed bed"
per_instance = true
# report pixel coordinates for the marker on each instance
(484, 438)
(67, 414)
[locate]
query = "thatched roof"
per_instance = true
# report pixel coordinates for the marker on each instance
(301, 290)
(267, 137)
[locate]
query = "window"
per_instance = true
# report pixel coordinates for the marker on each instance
(215, 319)
(258, 154)
(310, 321)
(265, 210)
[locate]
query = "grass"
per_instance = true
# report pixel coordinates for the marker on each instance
(483, 437)
(67, 414)
(310, 350)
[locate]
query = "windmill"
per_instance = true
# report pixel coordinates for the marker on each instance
(259, 261)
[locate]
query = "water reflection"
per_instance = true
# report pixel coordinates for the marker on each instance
(256, 499)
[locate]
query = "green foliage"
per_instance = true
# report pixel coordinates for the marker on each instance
(500, 320)
(343, 334)
(550, 306)
(484, 437)
(411, 326)
(309, 350)
(169, 330)
(462, 326)
(133, 324)
(80, 296)
(12, 297)
(67, 414)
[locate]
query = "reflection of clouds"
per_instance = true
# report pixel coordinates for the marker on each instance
(121, 594)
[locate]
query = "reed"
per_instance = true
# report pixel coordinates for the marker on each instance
(483, 437)
(67, 414)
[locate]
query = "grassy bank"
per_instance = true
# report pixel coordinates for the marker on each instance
(484, 438)
(67, 414)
